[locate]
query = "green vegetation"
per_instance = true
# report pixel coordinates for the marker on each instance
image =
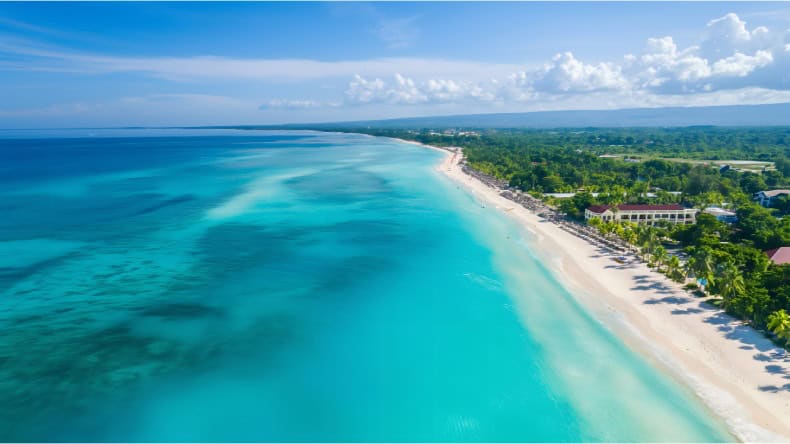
(725, 259)
(779, 323)
(680, 165)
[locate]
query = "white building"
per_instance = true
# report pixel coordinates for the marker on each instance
(721, 214)
(642, 214)
(767, 198)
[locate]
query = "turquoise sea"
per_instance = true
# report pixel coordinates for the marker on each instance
(210, 285)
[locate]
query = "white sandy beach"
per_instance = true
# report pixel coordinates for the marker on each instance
(738, 373)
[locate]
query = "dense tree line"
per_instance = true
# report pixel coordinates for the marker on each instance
(698, 143)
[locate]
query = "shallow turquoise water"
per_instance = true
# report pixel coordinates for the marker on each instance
(245, 286)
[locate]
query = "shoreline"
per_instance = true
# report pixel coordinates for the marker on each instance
(741, 376)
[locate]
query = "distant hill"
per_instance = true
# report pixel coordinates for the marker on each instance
(737, 115)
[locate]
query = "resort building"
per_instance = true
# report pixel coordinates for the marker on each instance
(642, 214)
(767, 198)
(779, 255)
(726, 216)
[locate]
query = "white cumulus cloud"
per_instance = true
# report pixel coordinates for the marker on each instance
(728, 57)
(740, 65)
(566, 74)
(405, 90)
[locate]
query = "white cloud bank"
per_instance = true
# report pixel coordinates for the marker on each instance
(403, 90)
(730, 62)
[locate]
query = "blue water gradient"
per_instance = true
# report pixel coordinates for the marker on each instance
(260, 286)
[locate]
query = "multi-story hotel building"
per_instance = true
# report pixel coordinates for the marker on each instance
(642, 214)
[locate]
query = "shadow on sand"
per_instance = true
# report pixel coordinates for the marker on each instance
(777, 361)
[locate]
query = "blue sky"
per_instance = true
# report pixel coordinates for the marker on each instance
(117, 64)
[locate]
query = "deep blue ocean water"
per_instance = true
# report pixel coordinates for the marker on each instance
(255, 286)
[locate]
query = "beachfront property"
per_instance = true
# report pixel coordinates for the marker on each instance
(566, 195)
(779, 255)
(649, 195)
(642, 214)
(767, 198)
(722, 215)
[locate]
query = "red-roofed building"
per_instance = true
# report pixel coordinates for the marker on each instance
(642, 214)
(779, 255)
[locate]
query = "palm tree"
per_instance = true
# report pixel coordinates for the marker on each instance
(594, 222)
(619, 230)
(647, 239)
(629, 235)
(644, 251)
(673, 269)
(610, 227)
(603, 228)
(731, 283)
(641, 232)
(659, 256)
(779, 324)
(652, 244)
(704, 267)
(689, 267)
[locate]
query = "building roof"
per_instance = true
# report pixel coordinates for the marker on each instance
(716, 211)
(650, 207)
(774, 193)
(779, 255)
(599, 209)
